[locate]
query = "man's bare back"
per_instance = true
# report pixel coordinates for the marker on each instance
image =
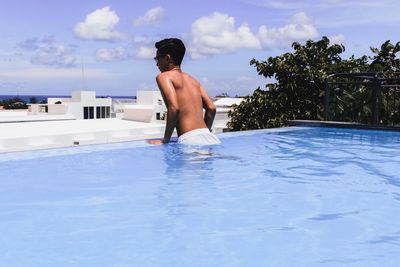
(190, 97)
(184, 97)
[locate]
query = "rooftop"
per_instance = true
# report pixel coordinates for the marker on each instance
(22, 136)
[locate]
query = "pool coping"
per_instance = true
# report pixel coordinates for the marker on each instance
(338, 124)
(29, 136)
(296, 125)
(90, 148)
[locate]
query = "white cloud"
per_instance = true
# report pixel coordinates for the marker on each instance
(111, 54)
(300, 28)
(99, 25)
(154, 16)
(300, 18)
(49, 52)
(217, 34)
(145, 47)
(11, 57)
(276, 4)
(54, 56)
(29, 44)
(146, 52)
(337, 39)
(355, 4)
(142, 40)
(312, 4)
(244, 78)
(53, 74)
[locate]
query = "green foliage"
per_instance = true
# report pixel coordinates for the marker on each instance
(351, 103)
(354, 102)
(14, 103)
(251, 113)
(298, 88)
(385, 59)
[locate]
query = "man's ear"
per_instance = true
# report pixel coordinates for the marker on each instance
(168, 58)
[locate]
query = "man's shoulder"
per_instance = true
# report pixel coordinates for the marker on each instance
(166, 74)
(162, 75)
(174, 75)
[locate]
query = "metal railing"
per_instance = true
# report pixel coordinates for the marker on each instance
(371, 98)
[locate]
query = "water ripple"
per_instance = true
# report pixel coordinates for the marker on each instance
(332, 216)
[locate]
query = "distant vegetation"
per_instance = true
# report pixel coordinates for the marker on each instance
(14, 103)
(298, 90)
(18, 103)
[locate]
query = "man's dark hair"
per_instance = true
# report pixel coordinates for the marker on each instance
(173, 47)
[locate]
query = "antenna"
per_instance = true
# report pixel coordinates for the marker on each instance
(83, 74)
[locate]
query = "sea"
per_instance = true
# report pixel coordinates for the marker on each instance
(40, 98)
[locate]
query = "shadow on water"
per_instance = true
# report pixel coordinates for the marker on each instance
(387, 239)
(333, 216)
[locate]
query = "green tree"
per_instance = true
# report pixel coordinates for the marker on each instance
(298, 90)
(14, 103)
(385, 58)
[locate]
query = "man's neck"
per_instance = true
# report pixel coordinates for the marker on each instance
(178, 68)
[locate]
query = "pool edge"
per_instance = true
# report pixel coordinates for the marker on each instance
(338, 124)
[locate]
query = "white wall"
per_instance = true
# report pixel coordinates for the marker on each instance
(149, 98)
(86, 98)
(76, 109)
(79, 100)
(12, 113)
(148, 104)
(57, 109)
(106, 102)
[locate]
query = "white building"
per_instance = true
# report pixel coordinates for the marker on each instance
(63, 126)
(149, 107)
(224, 105)
(81, 104)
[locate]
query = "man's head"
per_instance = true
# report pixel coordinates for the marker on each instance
(172, 47)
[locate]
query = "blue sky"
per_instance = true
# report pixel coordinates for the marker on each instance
(45, 43)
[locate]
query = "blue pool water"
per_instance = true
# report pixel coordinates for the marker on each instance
(287, 197)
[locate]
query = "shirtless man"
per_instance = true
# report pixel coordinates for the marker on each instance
(184, 97)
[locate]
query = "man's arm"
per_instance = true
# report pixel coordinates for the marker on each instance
(171, 101)
(209, 106)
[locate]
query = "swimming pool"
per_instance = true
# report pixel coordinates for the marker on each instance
(286, 197)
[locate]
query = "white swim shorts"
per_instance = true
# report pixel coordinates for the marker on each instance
(201, 136)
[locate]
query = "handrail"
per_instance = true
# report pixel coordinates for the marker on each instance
(378, 80)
